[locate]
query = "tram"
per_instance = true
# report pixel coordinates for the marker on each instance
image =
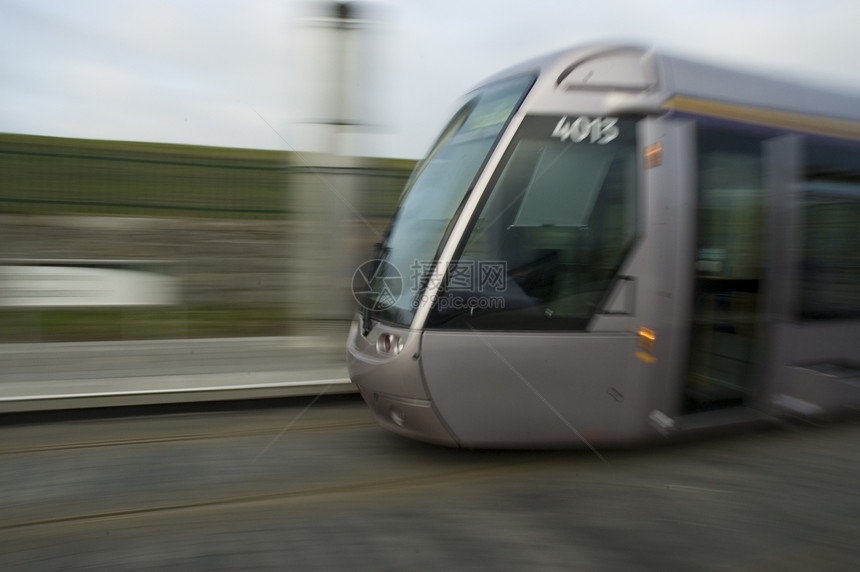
(610, 245)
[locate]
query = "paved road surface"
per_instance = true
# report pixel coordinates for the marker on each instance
(323, 488)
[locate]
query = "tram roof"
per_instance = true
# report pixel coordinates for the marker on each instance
(655, 81)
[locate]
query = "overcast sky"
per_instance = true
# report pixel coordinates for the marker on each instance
(242, 74)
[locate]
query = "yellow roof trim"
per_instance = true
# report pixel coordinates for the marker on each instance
(766, 117)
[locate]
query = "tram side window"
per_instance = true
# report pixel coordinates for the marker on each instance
(731, 195)
(830, 232)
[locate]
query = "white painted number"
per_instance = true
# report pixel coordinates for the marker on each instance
(600, 130)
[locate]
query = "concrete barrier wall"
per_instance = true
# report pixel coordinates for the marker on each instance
(70, 283)
(237, 228)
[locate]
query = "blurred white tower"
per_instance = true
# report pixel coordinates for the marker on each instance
(334, 46)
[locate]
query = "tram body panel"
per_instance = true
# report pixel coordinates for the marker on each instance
(667, 218)
(813, 369)
(653, 291)
(538, 390)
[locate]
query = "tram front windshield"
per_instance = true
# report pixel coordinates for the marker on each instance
(556, 223)
(433, 197)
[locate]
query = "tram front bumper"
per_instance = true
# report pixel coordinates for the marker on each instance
(391, 382)
(413, 418)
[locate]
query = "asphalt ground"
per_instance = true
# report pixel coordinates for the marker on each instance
(314, 484)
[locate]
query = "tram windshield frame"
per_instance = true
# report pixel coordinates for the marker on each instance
(555, 224)
(434, 197)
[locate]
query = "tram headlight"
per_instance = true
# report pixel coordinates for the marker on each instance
(389, 344)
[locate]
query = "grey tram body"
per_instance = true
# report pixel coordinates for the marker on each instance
(600, 385)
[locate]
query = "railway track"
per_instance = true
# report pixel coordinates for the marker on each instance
(171, 438)
(310, 494)
(193, 467)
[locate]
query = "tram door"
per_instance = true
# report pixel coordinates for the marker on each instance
(728, 266)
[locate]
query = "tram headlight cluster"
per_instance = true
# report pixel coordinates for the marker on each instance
(390, 344)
